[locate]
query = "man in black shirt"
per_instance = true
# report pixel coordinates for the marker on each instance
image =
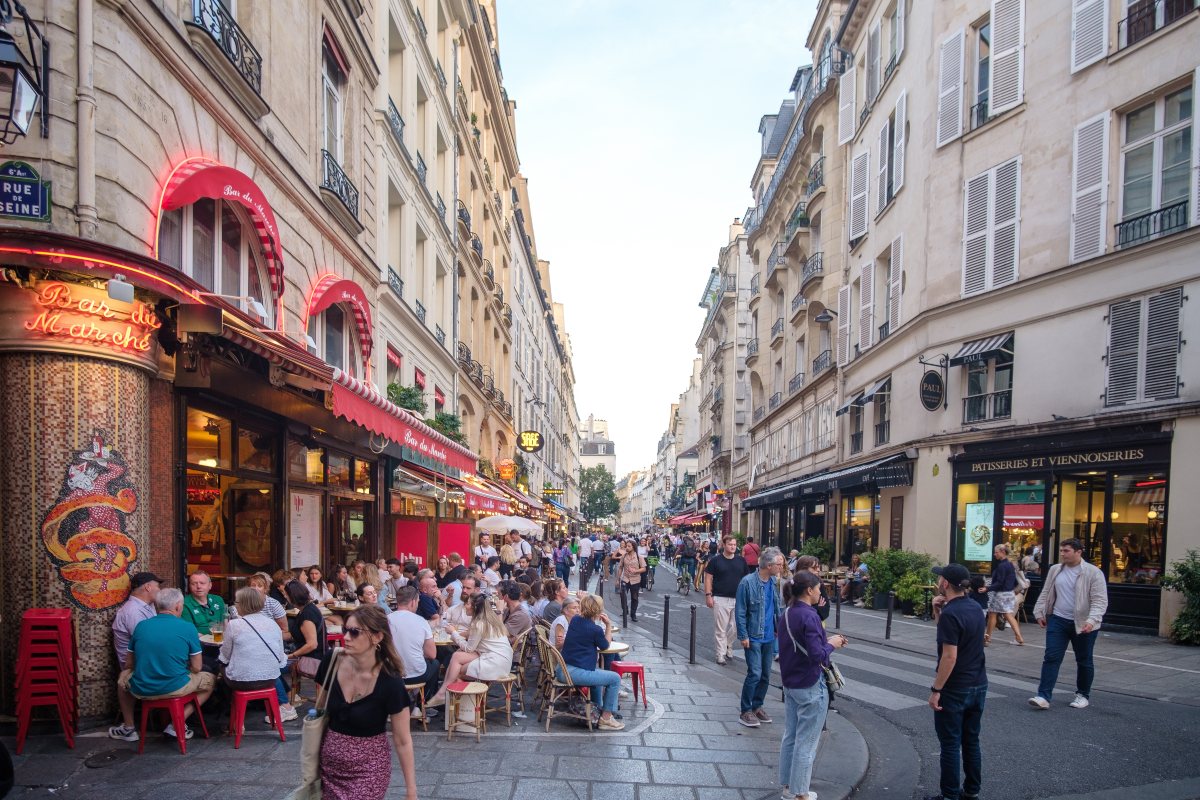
(721, 578)
(960, 686)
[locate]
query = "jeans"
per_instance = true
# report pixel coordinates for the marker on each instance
(629, 598)
(805, 711)
(1059, 632)
(432, 677)
(957, 726)
(759, 656)
(281, 687)
(687, 565)
(608, 682)
(564, 572)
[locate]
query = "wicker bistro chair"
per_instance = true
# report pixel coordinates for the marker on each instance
(523, 651)
(563, 689)
(416, 691)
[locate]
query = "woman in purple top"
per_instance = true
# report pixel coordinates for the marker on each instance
(803, 648)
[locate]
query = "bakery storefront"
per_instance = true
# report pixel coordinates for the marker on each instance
(1109, 489)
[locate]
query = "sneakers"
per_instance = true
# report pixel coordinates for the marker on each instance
(429, 713)
(749, 719)
(287, 713)
(123, 733)
(722, 662)
(788, 794)
(763, 716)
(610, 725)
(1039, 702)
(1079, 702)
(435, 701)
(623, 693)
(170, 731)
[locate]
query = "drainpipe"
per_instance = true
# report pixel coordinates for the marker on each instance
(85, 125)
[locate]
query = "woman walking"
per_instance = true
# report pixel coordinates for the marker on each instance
(630, 570)
(803, 648)
(367, 690)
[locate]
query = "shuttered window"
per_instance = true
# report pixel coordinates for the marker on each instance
(900, 122)
(860, 168)
(1143, 348)
(866, 305)
(884, 191)
(847, 113)
(950, 88)
(873, 45)
(895, 282)
(1089, 186)
(1008, 55)
(991, 228)
(1089, 32)
(844, 324)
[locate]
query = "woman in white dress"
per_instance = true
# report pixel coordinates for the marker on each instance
(484, 655)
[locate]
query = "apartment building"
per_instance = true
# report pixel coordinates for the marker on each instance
(1007, 306)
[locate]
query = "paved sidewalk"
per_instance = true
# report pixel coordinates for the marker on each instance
(687, 744)
(1126, 663)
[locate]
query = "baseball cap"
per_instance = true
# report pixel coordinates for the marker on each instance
(140, 579)
(955, 575)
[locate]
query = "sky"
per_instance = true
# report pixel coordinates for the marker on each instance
(637, 127)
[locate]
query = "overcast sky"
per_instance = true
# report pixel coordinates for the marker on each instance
(637, 126)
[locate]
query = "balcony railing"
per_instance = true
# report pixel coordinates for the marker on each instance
(441, 207)
(979, 113)
(856, 442)
(422, 170)
(822, 362)
(754, 286)
(883, 432)
(212, 16)
(500, 295)
(489, 273)
(395, 283)
(796, 383)
(441, 73)
(506, 314)
(421, 23)
(814, 267)
(477, 245)
(759, 413)
(335, 180)
(797, 302)
(862, 116)
(464, 353)
(719, 395)
(752, 348)
(1146, 17)
(420, 309)
(816, 177)
(885, 330)
(716, 444)
(891, 66)
(475, 372)
(776, 258)
(395, 122)
(464, 214)
(775, 400)
(777, 328)
(498, 204)
(798, 220)
(729, 284)
(1152, 225)
(982, 407)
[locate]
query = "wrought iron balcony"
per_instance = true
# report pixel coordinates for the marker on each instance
(422, 170)
(885, 330)
(440, 335)
(719, 395)
(775, 400)
(489, 385)
(489, 273)
(441, 73)
(395, 122)
(777, 329)
(979, 114)
(816, 177)
(498, 204)
(752, 348)
(334, 179)
(822, 362)
(500, 295)
(395, 283)
(982, 407)
(754, 286)
(729, 284)
(891, 66)
(475, 372)
(883, 431)
(464, 214)
(477, 245)
(506, 314)
(814, 267)
(862, 116)
(856, 442)
(798, 220)
(419, 307)
(796, 383)
(213, 17)
(759, 413)
(421, 23)
(716, 444)
(1145, 227)
(1144, 18)
(464, 353)
(797, 302)
(776, 259)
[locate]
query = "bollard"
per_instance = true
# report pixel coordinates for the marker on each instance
(600, 586)
(666, 619)
(837, 618)
(887, 631)
(692, 642)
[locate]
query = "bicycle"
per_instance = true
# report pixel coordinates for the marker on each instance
(685, 581)
(651, 565)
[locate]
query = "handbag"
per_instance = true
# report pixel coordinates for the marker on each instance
(311, 737)
(834, 680)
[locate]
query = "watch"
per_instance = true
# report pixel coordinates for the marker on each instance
(935, 690)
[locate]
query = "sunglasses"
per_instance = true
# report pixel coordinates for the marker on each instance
(353, 633)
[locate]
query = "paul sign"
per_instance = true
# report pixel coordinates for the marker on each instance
(933, 390)
(530, 441)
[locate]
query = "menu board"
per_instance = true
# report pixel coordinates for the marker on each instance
(304, 509)
(979, 534)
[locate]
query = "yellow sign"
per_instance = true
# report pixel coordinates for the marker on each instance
(507, 469)
(530, 441)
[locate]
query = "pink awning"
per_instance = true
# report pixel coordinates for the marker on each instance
(332, 289)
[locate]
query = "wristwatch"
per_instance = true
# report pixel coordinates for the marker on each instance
(935, 690)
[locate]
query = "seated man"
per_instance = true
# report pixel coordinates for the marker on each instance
(524, 574)
(163, 661)
(516, 618)
(414, 644)
(856, 581)
(199, 607)
(429, 606)
(456, 615)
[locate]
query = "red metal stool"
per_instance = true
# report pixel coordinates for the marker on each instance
(639, 677)
(237, 715)
(175, 706)
(337, 639)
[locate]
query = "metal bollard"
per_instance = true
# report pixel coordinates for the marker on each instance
(666, 619)
(692, 642)
(887, 631)
(837, 618)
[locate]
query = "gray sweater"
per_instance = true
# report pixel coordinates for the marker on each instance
(1091, 596)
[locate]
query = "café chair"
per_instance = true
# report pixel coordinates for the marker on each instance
(237, 712)
(174, 706)
(561, 687)
(506, 684)
(461, 692)
(638, 672)
(418, 689)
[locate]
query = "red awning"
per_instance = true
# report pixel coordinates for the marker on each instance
(519, 496)
(331, 289)
(277, 349)
(199, 177)
(476, 498)
(687, 518)
(361, 404)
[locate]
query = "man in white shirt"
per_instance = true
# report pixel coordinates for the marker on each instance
(585, 562)
(414, 642)
(456, 615)
(491, 575)
(484, 550)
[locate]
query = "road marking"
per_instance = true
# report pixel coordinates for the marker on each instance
(902, 675)
(892, 701)
(931, 663)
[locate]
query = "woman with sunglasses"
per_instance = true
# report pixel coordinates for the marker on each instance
(366, 691)
(484, 655)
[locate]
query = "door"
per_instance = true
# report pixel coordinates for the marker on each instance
(350, 532)
(1080, 514)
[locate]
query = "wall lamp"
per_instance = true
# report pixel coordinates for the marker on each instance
(24, 80)
(825, 317)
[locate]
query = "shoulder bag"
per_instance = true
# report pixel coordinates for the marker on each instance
(312, 735)
(834, 681)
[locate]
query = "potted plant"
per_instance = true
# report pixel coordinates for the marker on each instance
(1184, 577)
(818, 547)
(885, 568)
(910, 591)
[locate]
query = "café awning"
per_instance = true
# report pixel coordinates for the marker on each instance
(519, 496)
(883, 473)
(844, 407)
(982, 349)
(879, 386)
(332, 289)
(776, 494)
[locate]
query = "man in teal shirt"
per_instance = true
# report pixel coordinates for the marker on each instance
(199, 607)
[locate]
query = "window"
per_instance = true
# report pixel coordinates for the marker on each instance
(950, 79)
(333, 79)
(856, 428)
(395, 364)
(891, 154)
(1143, 348)
(980, 75)
(1144, 17)
(335, 341)
(991, 228)
(989, 387)
(1156, 158)
(860, 185)
(418, 379)
(439, 400)
(895, 33)
(212, 242)
(883, 415)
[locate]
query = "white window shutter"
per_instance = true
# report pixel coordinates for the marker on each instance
(873, 44)
(847, 115)
(881, 198)
(1089, 189)
(1006, 223)
(950, 87)
(860, 182)
(866, 305)
(901, 118)
(843, 332)
(1124, 351)
(1089, 32)
(1162, 344)
(1008, 55)
(899, 28)
(1196, 149)
(895, 283)
(975, 233)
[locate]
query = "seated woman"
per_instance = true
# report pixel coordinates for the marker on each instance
(252, 650)
(368, 595)
(581, 651)
(555, 592)
(339, 582)
(558, 629)
(537, 601)
(484, 655)
(278, 581)
(442, 572)
(308, 632)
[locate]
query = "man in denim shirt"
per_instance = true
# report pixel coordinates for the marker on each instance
(758, 606)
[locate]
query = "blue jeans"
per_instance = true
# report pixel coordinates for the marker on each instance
(804, 717)
(608, 682)
(759, 656)
(281, 687)
(1059, 632)
(957, 726)
(564, 572)
(688, 566)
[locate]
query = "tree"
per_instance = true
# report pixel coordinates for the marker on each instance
(597, 493)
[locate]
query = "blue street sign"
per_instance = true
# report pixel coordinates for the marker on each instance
(23, 194)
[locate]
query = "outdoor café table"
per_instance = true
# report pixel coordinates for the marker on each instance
(615, 648)
(325, 612)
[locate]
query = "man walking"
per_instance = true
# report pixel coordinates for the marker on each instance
(960, 685)
(750, 552)
(725, 571)
(1076, 597)
(758, 606)
(585, 562)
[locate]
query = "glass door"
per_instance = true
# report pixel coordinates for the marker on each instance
(350, 532)
(1080, 514)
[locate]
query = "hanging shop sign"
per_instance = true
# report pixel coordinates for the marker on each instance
(71, 318)
(530, 441)
(506, 468)
(551, 491)
(23, 193)
(933, 390)
(978, 544)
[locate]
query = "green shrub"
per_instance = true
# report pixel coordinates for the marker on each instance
(818, 547)
(1184, 577)
(407, 397)
(911, 588)
(885, 568)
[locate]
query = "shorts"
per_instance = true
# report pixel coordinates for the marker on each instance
(1002, 602)
(197, 682)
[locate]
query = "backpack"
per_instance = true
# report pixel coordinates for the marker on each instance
(535, 556)
(689, 548)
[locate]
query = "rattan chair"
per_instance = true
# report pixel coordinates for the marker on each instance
(563, 688)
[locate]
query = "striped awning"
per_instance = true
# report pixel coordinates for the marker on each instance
(1145, 497)
(874, 390)
(982, 349)
(333, 289)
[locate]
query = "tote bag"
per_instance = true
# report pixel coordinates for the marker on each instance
(312, 735)
(834, 681)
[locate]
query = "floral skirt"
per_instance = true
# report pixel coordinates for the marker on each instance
(355, 767)
(1002, 602)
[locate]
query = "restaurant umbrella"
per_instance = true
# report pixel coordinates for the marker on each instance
(524, 525)
(498, 523)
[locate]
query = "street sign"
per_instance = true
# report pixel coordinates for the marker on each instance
(23, 193)
(530, 441)
(933, 390)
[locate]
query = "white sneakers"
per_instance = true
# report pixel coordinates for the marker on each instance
(1079, 702)
(789, 795)
(1039, 702)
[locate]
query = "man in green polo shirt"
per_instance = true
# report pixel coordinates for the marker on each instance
(199, 607)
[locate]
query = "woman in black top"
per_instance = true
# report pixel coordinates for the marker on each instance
(366, 691)
(307, 629)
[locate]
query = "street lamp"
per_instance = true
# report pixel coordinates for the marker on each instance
(825, 317)
(23, 81)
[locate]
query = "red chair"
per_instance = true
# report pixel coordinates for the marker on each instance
(175, 706)
(639, 677)
(237, 715)
(336, 639)
(47, 656)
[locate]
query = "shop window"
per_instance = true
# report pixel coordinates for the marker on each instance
(256, 450)
(988, 394)
(856, 429)
(215, 244)
(305, 464)
(859, 525)
(230, 524)
(1022, 520)
(1138, 523)
(336, 340)
(362, 476)
(338, 470)
(209, 440)
(1156, 158)
(1080, 514)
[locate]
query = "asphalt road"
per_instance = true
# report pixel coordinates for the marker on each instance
(1120, 741)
